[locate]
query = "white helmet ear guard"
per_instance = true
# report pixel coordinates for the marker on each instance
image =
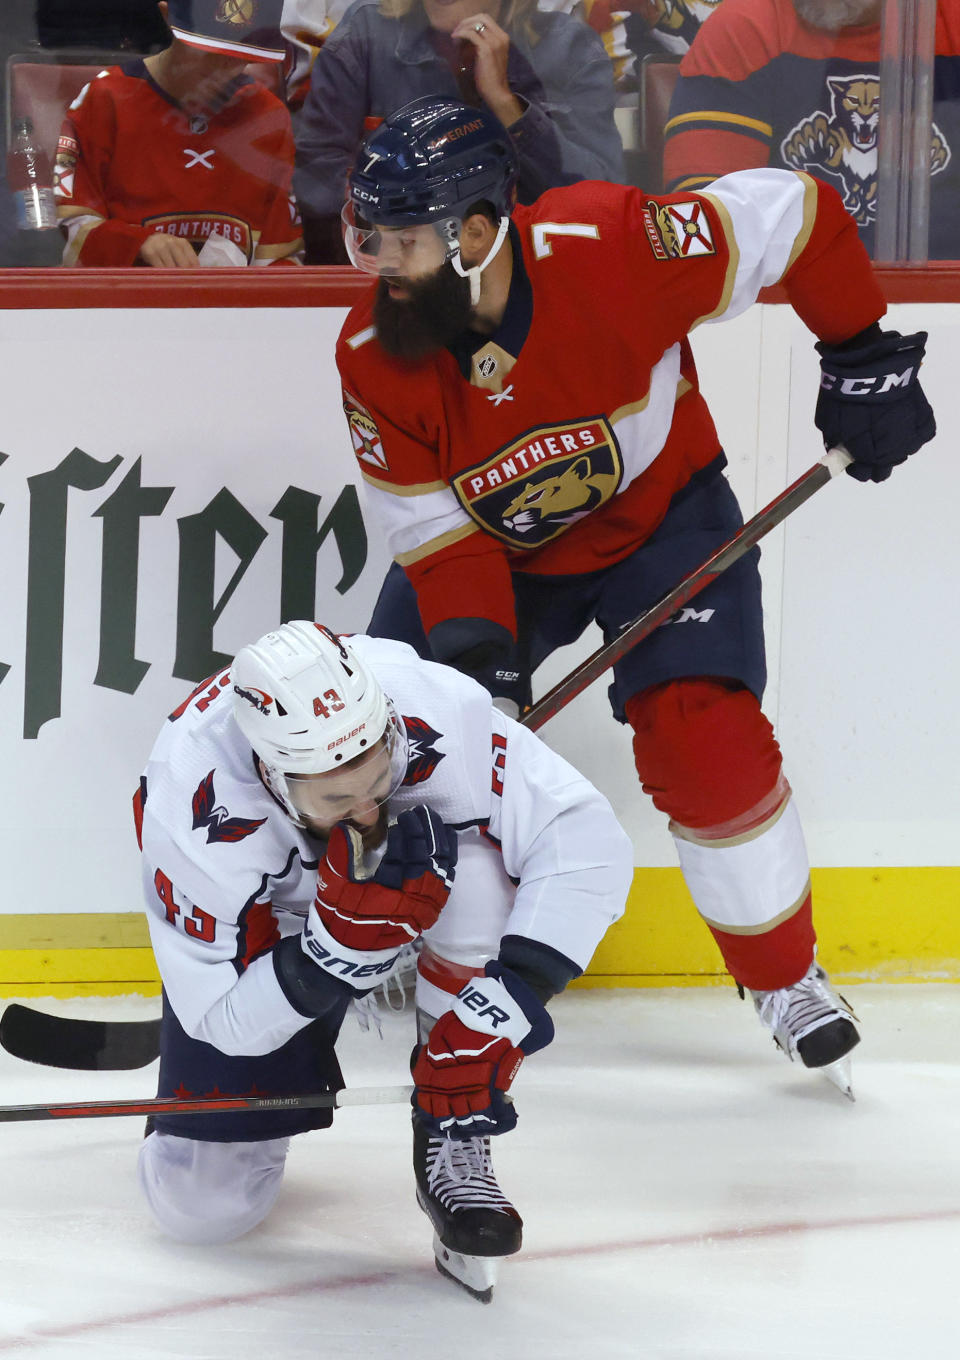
(308, 705)
(473, 272)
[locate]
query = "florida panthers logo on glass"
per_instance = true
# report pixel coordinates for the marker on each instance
(423, 756)
(534, 489)
(842, 142)
(674, 22)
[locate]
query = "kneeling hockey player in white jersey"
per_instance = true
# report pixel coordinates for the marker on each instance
(303, 816)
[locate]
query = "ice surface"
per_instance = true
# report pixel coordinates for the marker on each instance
(688, 1195)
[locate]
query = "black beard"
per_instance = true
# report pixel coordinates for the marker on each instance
(436, 312)
(375, 835)
(370, 836)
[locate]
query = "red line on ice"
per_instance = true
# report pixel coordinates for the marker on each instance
(184, 1308)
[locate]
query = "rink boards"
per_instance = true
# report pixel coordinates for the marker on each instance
(177, 478)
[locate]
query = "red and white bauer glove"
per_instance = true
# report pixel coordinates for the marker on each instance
(474, 1051)
(357, 926)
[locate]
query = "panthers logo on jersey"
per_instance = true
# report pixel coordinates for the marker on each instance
(539, 485)
(842, 142)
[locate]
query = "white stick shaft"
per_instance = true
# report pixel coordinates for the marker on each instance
(374, 1095)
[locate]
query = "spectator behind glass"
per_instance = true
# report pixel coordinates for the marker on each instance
(608, 19)
(664, 28)
(545, 76)
(181, 159)
(306, 25)
(795, 84)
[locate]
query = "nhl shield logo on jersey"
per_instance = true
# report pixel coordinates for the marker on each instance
(529, 492)
(364, 433)
(677, 231)
(423, 757)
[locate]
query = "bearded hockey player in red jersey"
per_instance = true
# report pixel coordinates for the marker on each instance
(303, 816)
(525, 412)
(182, 153)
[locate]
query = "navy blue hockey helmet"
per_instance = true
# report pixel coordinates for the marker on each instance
(432, 160)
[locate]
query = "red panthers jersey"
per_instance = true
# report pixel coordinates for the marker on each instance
(131, 161)
(759, 87)
(563, 457)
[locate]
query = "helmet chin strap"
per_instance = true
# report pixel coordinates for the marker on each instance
(473, 272)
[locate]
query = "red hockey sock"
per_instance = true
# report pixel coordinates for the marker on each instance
(708, 757)
(777, 958)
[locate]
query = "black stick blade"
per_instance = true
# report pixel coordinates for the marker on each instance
(82, 1045)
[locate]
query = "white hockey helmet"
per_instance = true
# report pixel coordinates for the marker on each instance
(309, 706)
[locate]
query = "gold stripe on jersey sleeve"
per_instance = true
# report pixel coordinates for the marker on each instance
(361, 337)
(632, 408)
(694, 182)
(733, 119)
(68, 210)
(277, 252)
(436, 544)
(629, 409)
(75, 243)
(809, 217)
(392, 489)
(733, 264)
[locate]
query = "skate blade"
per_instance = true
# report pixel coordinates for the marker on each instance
(840, 1073)
(476, 1274)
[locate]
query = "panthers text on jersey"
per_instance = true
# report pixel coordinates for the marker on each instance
(563, 455)
(131, 162)
(226, 874)
(759, 87)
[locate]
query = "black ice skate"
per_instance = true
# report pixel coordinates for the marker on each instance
(474, 1223)
(811, 1021)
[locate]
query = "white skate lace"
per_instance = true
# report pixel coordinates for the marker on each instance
(796, 1011)
(392, 993)
(460, 1175)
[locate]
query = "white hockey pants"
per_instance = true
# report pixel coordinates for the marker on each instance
(204, 1193)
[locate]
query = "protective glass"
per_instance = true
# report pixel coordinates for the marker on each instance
(363, 784)
(404, 251)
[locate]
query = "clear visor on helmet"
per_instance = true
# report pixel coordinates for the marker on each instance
(356, 789)
(398, 250)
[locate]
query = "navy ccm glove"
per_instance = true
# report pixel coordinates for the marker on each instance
(464, 1070)
(871, 400)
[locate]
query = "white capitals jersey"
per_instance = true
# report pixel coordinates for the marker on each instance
(226, 874)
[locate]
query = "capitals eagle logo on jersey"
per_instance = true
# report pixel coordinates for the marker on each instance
(220, 826)
(423, 756)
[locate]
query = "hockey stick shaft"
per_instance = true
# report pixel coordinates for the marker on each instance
(108, 1109)
(742, 541)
